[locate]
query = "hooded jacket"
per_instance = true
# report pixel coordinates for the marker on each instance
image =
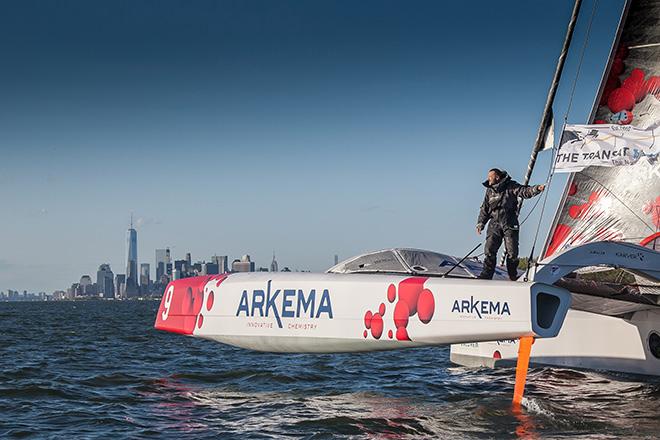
(500, 203)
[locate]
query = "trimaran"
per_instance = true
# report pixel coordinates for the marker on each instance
(591, 301)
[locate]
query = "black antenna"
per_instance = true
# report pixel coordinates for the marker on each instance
(462, 259)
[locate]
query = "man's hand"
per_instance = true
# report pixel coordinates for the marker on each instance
(541, 187)
(479, 229)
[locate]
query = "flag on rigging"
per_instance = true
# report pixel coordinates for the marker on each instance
(605, 146)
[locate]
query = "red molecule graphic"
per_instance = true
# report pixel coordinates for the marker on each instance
(425, 306)
(367, 319)
(562, 231)
(376, 326)
(637, 74)
(413, 299)
(200, 321)
(575, 211)
(402, 334)
(652, 208)
(636, 85)
(409, 290)
(572, 190)
(391, 293)
(652, 85)
(401, 314)
(497, 355)
(581, 211)
(621, 99)
(209, 301)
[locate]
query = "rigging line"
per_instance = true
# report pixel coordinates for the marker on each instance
(620, 201)
(579, 67)
(555, 150)
(643, 46)
(530, 211)
(545, 200)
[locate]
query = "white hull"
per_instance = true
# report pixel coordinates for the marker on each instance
(586, 341)
(304, 312)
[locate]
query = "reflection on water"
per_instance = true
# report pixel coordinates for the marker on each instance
(100, 370)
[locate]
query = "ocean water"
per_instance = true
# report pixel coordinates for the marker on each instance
(100, 370)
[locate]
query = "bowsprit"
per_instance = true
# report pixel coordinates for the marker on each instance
(481, 307)
(284, 303)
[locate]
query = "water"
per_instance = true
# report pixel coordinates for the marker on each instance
(100, 370)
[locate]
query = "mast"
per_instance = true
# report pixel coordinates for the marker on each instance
(546, 119)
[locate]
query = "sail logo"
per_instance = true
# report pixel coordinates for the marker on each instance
(480, 308)
(285, 303)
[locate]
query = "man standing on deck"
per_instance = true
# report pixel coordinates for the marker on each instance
(500, 207)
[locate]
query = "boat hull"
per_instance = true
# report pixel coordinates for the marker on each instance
(303, 312)
(586, 341)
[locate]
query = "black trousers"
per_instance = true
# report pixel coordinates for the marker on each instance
(497, 233)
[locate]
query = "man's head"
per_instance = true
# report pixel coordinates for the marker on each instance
(495, 175)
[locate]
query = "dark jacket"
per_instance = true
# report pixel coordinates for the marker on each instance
(500, 203)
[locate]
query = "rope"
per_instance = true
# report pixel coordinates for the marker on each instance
(555, 147)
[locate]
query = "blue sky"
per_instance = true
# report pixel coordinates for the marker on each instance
(309, 128)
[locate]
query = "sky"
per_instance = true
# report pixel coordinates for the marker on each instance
(307, 128)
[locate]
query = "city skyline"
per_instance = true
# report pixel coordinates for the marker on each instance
(115, 285)
(132, 263)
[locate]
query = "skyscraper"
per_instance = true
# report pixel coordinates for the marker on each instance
(162, 261)
(222, 261)
(120, 285)
(209, 269)
(145, 278)
(104, 280)
(243, 265)
(273, 264)
(131, 261)
(86, 286)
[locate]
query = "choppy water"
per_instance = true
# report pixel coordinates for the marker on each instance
(100, 370)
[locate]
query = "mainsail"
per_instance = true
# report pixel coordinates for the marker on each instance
(619, 203)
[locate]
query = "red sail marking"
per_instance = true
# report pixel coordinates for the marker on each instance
(652, 208)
